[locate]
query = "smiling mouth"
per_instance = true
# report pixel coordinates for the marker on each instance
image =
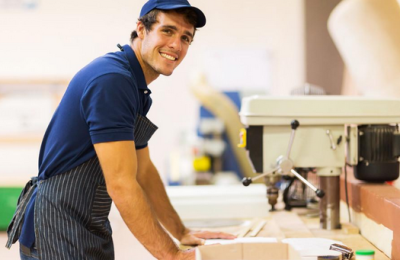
(168, 57)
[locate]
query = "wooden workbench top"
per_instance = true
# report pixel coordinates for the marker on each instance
(296, 224)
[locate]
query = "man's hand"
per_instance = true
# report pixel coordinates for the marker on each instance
(192, 237)
(186, 255)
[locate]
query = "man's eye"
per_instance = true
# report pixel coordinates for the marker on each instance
(167, 31)
(186, 39)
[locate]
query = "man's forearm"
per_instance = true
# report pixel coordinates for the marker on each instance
(119, 164)
(138, 216)
(151, 183)
(155, 191)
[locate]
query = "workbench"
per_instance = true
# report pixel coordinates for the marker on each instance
(280, 224)
(297, 224)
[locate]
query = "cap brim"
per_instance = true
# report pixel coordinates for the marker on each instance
(201, 18)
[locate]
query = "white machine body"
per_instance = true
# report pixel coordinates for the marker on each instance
(313, 145)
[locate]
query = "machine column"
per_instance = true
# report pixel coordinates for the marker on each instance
(329, 181)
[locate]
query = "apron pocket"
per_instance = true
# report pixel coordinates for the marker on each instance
(144, 129)
(100, 210)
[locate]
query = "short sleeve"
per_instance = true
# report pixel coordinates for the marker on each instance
(109, 106)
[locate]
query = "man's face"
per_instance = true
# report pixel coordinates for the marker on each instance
(166, 44)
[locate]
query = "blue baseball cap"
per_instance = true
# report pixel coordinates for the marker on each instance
(173, 4)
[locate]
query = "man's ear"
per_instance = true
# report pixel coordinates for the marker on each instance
(140, 29)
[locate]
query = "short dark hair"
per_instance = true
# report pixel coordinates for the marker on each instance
(151, 18)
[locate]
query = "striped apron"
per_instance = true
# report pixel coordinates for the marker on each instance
(72, 208)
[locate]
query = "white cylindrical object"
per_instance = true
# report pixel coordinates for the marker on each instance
(367, 35)
(365, 257)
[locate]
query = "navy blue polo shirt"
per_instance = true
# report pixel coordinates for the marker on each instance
(100, 105)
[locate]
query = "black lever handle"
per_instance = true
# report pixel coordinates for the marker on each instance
(246, 181)
(294, 124)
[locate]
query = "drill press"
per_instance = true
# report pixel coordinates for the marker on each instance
(284, 133)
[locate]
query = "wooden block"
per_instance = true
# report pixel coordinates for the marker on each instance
(257, 228)
(243, 231)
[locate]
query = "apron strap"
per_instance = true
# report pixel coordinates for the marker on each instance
(15, 226)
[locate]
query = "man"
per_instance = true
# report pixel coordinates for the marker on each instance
(95, 152)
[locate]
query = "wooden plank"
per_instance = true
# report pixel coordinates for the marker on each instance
(23, 139)
(257, 228)
(244, 230)
(34, 81)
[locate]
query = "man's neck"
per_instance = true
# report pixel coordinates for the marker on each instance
(149, 74)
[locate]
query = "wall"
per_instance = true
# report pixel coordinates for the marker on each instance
(59, 37)
(324, 65)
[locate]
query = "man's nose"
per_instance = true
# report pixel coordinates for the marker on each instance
(176, 43)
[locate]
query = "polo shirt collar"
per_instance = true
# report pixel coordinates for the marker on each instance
(136, 68)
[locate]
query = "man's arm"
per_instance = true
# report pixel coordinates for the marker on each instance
(152, 185)
(119, 164)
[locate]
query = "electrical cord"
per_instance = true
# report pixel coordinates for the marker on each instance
(346, 191)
